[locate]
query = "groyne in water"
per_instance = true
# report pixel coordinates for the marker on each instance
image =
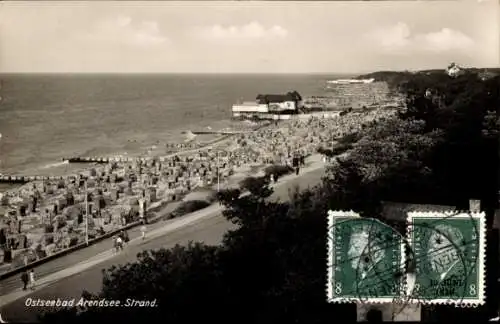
(220, 132)
(85, 159)
(107, 160)
(25, 179)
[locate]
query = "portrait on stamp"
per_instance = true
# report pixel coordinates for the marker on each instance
(366, 260)
(449, 254)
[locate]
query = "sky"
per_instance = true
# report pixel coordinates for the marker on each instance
(246, 37)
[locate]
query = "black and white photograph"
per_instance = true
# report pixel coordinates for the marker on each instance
(180, 161)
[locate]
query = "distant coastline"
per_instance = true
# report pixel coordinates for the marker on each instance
(394, 78)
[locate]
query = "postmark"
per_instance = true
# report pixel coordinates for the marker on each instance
(449, 253)
(365, 260)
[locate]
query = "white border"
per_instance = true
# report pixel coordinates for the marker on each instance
(331, 257)
(481, 257)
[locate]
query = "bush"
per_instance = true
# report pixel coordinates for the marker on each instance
(61, 184)
(278, 170)
(49, 240)
(133, 213)
(3, 236)
(257, 186)
(340, 149)
(187, 207)
(49, 229)
(73, 241)
(60, 224)
(350, 138)
(5, 200)
(40, 253)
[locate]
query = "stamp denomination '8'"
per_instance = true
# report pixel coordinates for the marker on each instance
(449, 254)
(366, 260)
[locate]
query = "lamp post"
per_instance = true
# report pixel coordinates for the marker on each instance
(218, 175)
(86, 214)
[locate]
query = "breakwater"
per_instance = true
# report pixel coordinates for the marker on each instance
(105, 159)
(78, 159)
(26, 179)
(219, 132)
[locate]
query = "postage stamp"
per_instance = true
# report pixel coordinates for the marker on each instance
(449, 253)
(365, 260)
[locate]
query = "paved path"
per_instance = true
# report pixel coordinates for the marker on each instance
(63, 279)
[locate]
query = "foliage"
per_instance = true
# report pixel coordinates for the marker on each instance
(4, 200)
(73, 241)
(336, 150)
(466, 110)
(441, 149)
(278, 170)
(3, 237)
(185, 281)
(257, 186)
(189, 206)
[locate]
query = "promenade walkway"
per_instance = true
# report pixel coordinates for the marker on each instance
(82, 260)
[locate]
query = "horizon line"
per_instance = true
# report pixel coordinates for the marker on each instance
(180, 73)
(236, 73)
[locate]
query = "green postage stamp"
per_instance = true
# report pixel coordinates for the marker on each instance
(449, 253)
(365, 260)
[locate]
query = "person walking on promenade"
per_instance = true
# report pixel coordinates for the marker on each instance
(119, 243)
(143, 232)
(25, 279)
(32, 279)
(219, 198)
(121, 236)
(126, 238)
(116, 246)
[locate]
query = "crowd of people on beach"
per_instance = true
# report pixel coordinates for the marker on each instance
(50, 215)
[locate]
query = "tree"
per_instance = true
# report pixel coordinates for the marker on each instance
(257, 186)
(185, 281)
(271, 268)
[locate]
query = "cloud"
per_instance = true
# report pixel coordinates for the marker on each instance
(444, 40)
(392, 37)
(123, 30)
(398, 38)
(250, 31)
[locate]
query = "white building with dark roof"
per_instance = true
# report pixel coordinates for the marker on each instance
(454, 70)
(268, 104)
